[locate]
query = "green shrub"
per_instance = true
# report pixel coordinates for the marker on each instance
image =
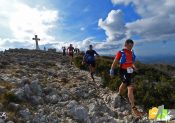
(11, 97)
(78, 62)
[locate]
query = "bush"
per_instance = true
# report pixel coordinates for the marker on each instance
(11, 97)
(78, 62)
(2, 66)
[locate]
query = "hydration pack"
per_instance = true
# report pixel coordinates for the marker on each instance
(89, 58)
(123, 57)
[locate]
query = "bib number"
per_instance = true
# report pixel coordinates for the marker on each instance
(130, 70)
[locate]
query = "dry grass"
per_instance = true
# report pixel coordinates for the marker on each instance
(12, 116)
(6, 96)
(7, 85)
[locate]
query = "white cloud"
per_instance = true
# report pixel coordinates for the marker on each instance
(113, 25)
(26, 21)
(21, 21)
(153, 28)
(157, 19)
(7, 43)
(121, 1)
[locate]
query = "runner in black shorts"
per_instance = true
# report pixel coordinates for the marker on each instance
(126, 58)
(91, 63)
(89, 58)
(126, 78)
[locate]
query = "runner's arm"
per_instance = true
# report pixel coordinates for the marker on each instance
(96, 53)
(134, 67)
(115, 62)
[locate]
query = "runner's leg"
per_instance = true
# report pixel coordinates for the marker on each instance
(91, 71)
(131, 95)
(122, 88)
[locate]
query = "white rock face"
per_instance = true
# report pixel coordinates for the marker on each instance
(78, 112)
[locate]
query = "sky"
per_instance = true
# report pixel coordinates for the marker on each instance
(105, 24)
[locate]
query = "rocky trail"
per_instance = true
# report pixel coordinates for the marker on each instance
(42, 87)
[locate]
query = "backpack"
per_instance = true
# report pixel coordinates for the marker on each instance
(123, 57)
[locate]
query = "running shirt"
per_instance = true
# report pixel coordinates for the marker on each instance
(90, 55)
(129, 59)
(70, 50)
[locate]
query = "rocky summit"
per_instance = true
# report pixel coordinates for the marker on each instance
(43, 87)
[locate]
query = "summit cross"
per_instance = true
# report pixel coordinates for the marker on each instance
(36, 39)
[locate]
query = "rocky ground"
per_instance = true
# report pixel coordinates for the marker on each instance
(42, 87)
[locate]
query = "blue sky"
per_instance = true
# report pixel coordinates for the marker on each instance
(104, 23)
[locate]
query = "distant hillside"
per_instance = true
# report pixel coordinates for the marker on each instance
(166, 65)
(161, 59)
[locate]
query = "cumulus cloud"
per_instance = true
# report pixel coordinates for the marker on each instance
(113, 25)
(157, 19)
(21, 21)
(153, 28)
(108, 48)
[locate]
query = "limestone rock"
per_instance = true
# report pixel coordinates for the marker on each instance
(2, 121)
(14, 106)
(2, 89)
(24, 80)
(10, 122)
(78, 112)
(36, 88)
(25, 114)
(20, 94)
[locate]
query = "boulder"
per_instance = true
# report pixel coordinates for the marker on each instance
(14, 106)
(20, 94)
(27, 91)
(25, 114)
(78, 112)
(36, 88)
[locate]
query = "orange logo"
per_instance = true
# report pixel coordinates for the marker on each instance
(152, 113)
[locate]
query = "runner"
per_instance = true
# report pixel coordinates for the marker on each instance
(64, 51)
(126, 58)
(89, 59)
(70, 52)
